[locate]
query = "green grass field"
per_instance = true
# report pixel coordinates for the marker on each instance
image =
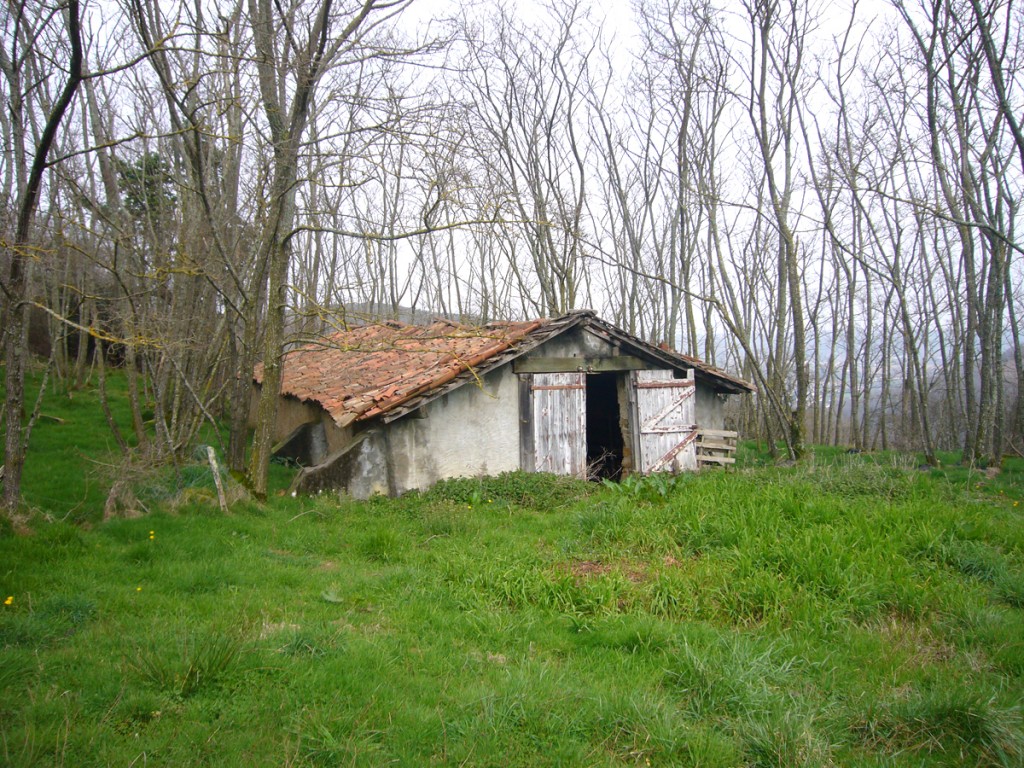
(847, 611)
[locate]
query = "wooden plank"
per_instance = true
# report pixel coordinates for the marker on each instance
(667, 384)
(527, 453)
(678, 456)
(670, 429)
(607, 364)
(560, 423)
(665, 421)
(705, 445)
(705, 459)
(719, 433)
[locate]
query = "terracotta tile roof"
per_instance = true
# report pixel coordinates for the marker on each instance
(368, 370)
(392, 368)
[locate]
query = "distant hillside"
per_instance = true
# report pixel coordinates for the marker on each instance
(361, 313)
(370, 312)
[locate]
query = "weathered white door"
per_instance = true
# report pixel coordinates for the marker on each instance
(559, 411)
(667, 425)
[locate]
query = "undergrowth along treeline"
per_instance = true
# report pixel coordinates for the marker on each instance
(80, 474)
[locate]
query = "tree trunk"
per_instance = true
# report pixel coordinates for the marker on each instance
(15, 287)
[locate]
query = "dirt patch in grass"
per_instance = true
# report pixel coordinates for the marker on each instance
(270, 629)
(637, 573)
(587, 569)
(919, 642)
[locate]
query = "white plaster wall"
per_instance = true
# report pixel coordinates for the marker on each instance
(710, 408)
(369, 470)
(292, 413)
(576, 343)
(470, 432)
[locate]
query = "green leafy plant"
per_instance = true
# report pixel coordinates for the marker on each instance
(536, 490)
(654, 487)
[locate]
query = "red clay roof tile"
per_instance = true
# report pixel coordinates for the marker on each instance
(368, 370)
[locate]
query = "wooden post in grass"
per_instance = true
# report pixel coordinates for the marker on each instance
(216, 479)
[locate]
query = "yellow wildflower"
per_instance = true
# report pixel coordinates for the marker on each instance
(138, 589)
(9, 600)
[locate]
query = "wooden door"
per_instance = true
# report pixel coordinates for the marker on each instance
(667, 424)
(555, 423)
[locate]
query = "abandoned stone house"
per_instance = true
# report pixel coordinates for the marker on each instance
(389, 407)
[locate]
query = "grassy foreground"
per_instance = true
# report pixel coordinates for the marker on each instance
(848, 611)
(848, 615)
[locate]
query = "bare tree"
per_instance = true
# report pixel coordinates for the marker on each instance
(283, 57)
(528, 92)
(967, 153)
(34, 37)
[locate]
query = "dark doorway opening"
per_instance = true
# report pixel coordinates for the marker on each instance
(604, 428)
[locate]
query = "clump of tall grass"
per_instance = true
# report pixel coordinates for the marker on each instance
(329, 736)
(56, 542)
(15, 670)
(790, 738)
(974, 559)
(301, 644)
(1010, 589)
(726, 674)
(981, 562)
(195, 661)
(853, 479)
(960, 724)
(508, 583)
(996, 631)
(641, 729)
(381, 544)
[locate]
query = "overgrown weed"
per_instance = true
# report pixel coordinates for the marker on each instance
(194, 660)
(647, 488)
(531, 490)
(958, 724)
